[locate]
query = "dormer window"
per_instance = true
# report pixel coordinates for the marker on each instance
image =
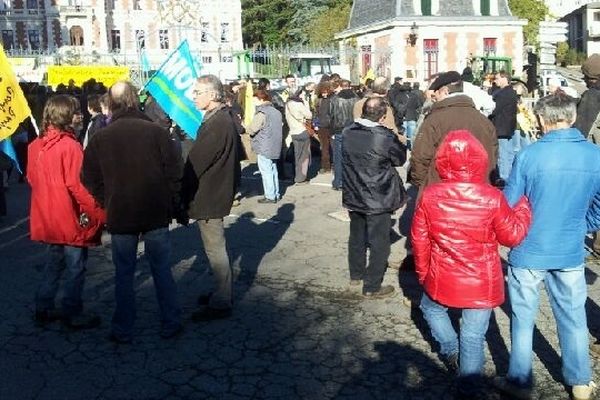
(484, 6)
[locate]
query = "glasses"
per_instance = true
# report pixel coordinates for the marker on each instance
(199, 92)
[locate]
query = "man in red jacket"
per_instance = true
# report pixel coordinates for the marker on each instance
(455, 233)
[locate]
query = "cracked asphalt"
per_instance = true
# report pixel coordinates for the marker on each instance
(298, 331)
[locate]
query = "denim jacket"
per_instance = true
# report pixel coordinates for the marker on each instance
(560, 175)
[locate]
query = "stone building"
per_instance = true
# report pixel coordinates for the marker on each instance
(584, 28)
(123, 26)
(416, 39)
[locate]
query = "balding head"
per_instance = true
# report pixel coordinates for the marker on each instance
(374, 109)
(122, 97)
(381, 85)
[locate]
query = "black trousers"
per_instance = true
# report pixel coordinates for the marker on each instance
(372, 231)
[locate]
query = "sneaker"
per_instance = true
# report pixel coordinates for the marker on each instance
(81, 321)
(507, 387)
(584, 392)
(45, 317)
(210, 314)
(382, 293)
(264, 200)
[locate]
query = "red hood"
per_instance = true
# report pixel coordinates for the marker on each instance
(52, 136)
(461, 158)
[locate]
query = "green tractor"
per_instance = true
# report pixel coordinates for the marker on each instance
(485, 67)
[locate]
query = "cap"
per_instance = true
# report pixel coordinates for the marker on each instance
(591, 67)
(444, 79)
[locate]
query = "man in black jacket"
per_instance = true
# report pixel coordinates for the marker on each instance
(340, 111)
(132, 169)
(372, 191)
(504, 118)
(211, 176)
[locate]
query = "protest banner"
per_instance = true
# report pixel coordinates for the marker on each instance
(173, 85)
(108, 75)
(13, 105)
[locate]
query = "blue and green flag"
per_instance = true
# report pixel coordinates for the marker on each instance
(173, 85)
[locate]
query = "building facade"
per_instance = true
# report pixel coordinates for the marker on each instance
(560, 8)
(122, 27)
(416, 39)
(584, 28)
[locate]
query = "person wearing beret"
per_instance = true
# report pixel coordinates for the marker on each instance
(452, 110)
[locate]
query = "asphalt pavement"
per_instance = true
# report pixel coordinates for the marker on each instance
(298, 330)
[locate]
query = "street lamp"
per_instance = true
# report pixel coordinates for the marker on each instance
(413, 35)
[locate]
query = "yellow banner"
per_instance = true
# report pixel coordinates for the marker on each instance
(108, 75)
(13, 105)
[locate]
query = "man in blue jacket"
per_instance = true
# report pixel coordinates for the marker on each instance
(560, 174)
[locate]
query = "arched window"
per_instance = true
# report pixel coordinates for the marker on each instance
(425, 7)
(484, 6)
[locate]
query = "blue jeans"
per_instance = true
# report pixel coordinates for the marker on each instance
(337, 161)
(157, 248)
(270, 178)
(61, 257)
(567, 292)
(473, 327)
(507, 150)
(409, 128)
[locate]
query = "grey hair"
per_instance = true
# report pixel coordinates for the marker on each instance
(381, 85)
(555, 108)
(214, 83)
(374, 108)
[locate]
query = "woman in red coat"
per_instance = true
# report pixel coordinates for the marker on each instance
(457, 227)
(63, 214)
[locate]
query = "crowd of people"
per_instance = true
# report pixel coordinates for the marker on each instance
(460, 144)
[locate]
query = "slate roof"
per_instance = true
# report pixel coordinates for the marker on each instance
(367, 12)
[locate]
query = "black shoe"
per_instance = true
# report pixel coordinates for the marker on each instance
(451, 363)
(171, 333)
(119, 340)
(382, 293)
(337, 189)
(304, 182)
(210, 314)
(204, 299)
(45, 317)
(264, 200)
(81, 321)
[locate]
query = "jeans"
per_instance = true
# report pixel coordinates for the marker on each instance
(507, 150)
(371, 231)
(409, 128)
(301, 156)
(157, 248)
(74, 260)
(567, 292)
(337, 161)
(270, 179)
(212, 232)
(473, 327)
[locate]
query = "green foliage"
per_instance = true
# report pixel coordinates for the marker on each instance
(533, 11)
(332, 21)
(266, 21)
(272, 22)
(566, 56)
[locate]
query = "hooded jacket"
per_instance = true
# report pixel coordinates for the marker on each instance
(58, 198)
(458, 224)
